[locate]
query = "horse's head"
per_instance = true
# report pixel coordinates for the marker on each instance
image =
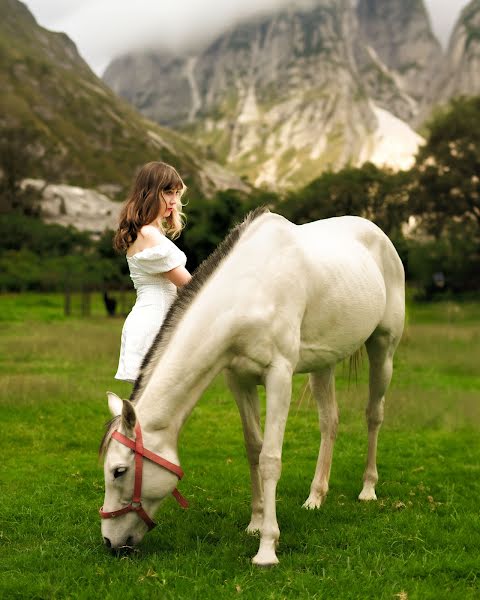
(137, 478)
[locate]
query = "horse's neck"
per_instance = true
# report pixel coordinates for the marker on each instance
(195, 354)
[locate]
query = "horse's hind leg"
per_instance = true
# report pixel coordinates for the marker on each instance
(380, 348)
(246, 397)
(322, 385)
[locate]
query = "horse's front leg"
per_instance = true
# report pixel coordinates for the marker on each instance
(279, 390)
(246, 397)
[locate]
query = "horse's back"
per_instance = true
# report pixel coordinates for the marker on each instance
(271, 235)
(325, 284)
(342, 256)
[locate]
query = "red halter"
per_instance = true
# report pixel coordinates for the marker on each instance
(136, 503)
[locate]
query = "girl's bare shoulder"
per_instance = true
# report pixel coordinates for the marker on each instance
(148, 237)
(150, 233)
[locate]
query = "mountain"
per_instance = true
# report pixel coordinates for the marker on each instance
(400, 34)
(462, 72)
(281, 97)
(86, 135)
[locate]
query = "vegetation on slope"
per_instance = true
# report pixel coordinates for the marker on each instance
(83, 133)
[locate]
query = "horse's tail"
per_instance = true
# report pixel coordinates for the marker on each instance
(354, 364)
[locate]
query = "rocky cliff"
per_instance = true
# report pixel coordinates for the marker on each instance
(400, 34)
(462, 73)
(85, 134)
(281, 97)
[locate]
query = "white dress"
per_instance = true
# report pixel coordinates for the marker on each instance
(155, 294)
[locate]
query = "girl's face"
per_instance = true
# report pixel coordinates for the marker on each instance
(168, 202)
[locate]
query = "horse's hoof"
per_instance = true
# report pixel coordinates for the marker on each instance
(314, 501)
(264, 560)
(366, 495)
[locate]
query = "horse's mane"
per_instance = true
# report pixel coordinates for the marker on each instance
(110, 427)
(184, 298)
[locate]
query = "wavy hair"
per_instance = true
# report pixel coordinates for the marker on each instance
(143, 204)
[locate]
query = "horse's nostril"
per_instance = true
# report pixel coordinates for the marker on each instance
(108, 543)
(129, 541)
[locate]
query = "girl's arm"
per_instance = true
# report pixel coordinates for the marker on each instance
(179, 276)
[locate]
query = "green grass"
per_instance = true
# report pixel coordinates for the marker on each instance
(420, 540)
(50, 306)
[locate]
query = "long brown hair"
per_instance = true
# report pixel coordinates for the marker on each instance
(143, 204)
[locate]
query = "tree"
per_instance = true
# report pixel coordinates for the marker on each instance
(370, 192)
(17, 153)
(446, 198)
(209, 221)
(448, 169)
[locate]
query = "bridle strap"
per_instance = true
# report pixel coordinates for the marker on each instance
(140, 452)
(138, 508)
(179, 498)
(137, 488)
(163, 462)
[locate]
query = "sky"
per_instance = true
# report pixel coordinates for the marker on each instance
(104, 29)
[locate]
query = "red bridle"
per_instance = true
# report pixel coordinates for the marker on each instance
(140, 452)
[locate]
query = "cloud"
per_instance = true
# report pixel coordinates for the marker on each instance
(103, 29)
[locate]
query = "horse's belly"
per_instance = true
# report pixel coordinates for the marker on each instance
(315, 357)
(337, 323)
(333, 343)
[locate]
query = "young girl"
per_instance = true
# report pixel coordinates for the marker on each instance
(157, 266)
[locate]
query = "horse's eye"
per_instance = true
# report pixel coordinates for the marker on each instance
(119, 471)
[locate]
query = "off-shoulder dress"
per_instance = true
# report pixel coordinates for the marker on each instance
(155, 294)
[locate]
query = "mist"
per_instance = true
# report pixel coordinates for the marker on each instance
(104, 29)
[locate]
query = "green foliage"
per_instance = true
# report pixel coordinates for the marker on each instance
(37, 256)
(447, 174)
(119, 274)
(208, 222)
(19, 232)
(367, 192)
(445, 198)
(17, 157)
(455, 256)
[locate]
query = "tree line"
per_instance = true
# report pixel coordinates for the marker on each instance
(431, 213)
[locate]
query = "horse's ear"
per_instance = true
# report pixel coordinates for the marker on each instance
(129, 418)
(115, 404)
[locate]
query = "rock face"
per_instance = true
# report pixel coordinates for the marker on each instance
(281, 97)
(86, 135)
(462, 75)
(400, 34)
(84, 209)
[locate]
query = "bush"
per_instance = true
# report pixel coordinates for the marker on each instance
(455, 258)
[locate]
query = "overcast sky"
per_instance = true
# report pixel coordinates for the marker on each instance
(103, 29)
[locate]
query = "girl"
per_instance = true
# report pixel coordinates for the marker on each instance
(157, 266)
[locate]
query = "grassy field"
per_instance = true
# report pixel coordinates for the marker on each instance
(420, 540)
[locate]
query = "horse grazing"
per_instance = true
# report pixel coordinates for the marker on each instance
(273, 300)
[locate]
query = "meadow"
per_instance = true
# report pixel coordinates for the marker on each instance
(420, 540)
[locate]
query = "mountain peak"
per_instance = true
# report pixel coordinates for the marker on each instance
(461, 73)
(284, 95)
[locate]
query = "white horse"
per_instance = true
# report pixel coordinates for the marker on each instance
(273, 300)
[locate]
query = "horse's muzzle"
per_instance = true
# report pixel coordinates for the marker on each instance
(123, 550)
